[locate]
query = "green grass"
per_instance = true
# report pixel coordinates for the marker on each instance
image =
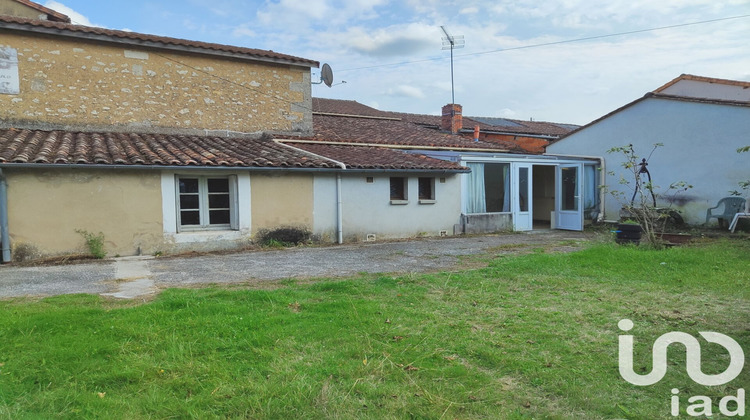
(531, 336)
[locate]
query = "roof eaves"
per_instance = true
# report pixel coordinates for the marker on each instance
(701, 79)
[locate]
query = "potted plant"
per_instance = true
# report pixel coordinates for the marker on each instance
(628, 232)
(642, 209)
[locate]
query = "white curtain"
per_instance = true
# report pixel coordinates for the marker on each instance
(589, 187)
(506, 187)
(477, 202)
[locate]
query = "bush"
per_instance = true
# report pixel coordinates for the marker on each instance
(94, 242)
(283, 237)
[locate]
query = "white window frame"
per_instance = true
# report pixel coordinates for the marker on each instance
(203, 204)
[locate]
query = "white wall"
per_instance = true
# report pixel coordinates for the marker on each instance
(367, 208)
(699, 89)
(700, 147)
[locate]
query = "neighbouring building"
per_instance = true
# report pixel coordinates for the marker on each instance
(700, 121)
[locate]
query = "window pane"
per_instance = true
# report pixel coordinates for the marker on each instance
(191, 217)
(189, 202)
(188, 185)
(569, 188)
(497, 187)
(425, 189)
(218, 201)
(523, 189)
(398, 190)
(218, 185)
(218, 217)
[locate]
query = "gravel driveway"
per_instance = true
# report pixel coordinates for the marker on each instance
(131, 277)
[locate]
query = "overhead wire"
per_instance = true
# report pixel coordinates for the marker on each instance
(544, 44)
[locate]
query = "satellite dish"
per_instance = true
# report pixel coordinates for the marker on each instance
(326, 75)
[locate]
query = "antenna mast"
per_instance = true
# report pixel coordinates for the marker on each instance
(451, 42)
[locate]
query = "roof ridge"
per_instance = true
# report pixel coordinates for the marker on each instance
(693, 77)
(39, 7)
(70, 29)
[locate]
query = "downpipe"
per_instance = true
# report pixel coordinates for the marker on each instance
(4, 235)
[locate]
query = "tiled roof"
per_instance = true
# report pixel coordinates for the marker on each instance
(373, 131)
(78, 148)
(504, 125)
(53, 14)
(703, 79)
(66, 29)
(344, 107)
(367, 157)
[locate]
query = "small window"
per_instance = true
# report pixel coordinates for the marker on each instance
(370, 180)
(398, 188)
(206, 203)
(426, 190)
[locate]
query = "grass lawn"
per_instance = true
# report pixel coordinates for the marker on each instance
(530, 336)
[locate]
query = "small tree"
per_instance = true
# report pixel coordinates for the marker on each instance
(642, 205)
(744, 185)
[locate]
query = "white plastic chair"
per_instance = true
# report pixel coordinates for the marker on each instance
(743, 215)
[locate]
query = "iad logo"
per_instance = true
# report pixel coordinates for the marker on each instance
(693, 367)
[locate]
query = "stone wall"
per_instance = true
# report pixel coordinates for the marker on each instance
(79, 85)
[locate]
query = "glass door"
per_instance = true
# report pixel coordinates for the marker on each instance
(522, 193)
(569, 196)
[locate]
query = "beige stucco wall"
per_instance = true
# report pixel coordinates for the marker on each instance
(45, 207)
(281, 200)
(14, 8)
(85, 85)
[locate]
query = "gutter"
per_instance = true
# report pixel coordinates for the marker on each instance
(602, 179)
(4, 235)
(339, 199)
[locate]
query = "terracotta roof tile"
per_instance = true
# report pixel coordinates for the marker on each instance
(368, 157)
(374, 131)
(504, 125)
(79, 148)
(62, 29)
(52, 14)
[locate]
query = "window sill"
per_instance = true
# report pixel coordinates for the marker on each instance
(427, 201)
(208, 236)
(399, 202)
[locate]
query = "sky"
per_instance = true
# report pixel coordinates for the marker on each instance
(547, 60)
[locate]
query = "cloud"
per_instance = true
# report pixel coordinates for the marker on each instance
(407, 91)
(393, 41)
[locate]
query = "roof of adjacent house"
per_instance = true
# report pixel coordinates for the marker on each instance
(394, 132)
(370, 157)
(144, 40)
(53, 15)
(348, 108)
(702, 79)
(345, 121)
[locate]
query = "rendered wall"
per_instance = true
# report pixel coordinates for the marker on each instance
(87, 85)
(367, 208)
(700, 147)
(45, 207)
(281, 200)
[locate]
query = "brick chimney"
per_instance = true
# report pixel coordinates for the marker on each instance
(452, 120)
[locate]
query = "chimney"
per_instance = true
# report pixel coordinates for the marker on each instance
(452, 120)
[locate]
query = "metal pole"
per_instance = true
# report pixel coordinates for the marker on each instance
(453, 95)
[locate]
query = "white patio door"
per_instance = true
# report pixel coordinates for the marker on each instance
(569, 196)
(522, 193)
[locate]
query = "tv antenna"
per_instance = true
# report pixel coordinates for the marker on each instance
(326, 76)
(451, 42)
